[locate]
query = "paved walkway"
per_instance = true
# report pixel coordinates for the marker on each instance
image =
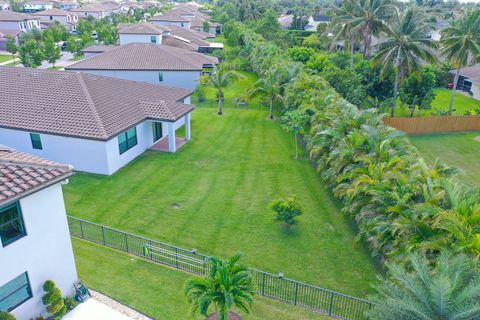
(7, 62)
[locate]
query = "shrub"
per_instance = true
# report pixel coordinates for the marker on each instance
(70, 303)
(53, 300)
(287, 210)
(6, 316)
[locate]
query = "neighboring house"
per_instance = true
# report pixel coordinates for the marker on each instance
(66, 18)
(112, 6)
(315, 20)
(16, 21)
(35, 6)
(197, 24)
(469, 80)
(35, 243)
(285, 21)
(150, 63)
(140, 32)
(4, 5)
(169, 19)
(95, 49)
(96, 10)
(98, 124)
(66, 5)
(4, 34)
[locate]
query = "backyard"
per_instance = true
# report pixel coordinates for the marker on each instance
(156, 290)
(213, 195)
(456, 149)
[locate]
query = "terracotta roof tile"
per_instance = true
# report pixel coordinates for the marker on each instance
(140, 28)
(7, 15)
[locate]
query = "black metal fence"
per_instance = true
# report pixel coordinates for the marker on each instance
(231, 103)
(300, 294)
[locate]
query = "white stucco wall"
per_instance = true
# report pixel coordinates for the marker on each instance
(142, 38)
(183, 79)
(45, 252)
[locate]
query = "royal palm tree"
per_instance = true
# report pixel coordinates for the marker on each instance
(461, 45)
(270, 86)
(228, 285)
(407, 44)
(219, 79)
(449, 290)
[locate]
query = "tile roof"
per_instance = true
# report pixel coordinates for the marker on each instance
(193, 35)
(99, 48)
(82, 105)
(12, 33)
(198, 22)
(168, 17)
(7, 15)
(140, 28)
(52, 12)
(177, 42)
(22, 174)
(145, 56)
(92, 7)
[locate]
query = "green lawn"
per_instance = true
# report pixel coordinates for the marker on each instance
(461, 104)
(55, 68)
(456, 149)
(5, 57)
(156, 290)
(213, 195)
(77, 58)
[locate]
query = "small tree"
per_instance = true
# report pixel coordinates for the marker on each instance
(287, 210)
(31, 53)
(53, 300)
(51, 50)
(12, 46)
(295, 122)
(418, 90)
(6, 316)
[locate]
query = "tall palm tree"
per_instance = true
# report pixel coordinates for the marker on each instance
(270, 86)
(219, 79)
(406, 46)
(461, 44)
(449, 290)
(227, 285)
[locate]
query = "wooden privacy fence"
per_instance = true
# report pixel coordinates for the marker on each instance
(331, 303)
(434, 124)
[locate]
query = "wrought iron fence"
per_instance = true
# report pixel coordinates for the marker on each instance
(231, 103)
(297, 293)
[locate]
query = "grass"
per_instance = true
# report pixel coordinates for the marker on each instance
(55, 68)
(213, 195)
(461, 104)
(12, 64)
(456, 149)
(76, 58)
(156, 290)
(5, 57)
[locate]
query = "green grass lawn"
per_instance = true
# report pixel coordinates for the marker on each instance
(156, 290)
(5, 57)
(55, 68)
(461, 104)
(456, 149)
(77, 58)
(213, 195)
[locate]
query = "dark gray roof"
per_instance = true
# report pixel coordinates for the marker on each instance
(145, 56)
(82, 105)
(320, 17)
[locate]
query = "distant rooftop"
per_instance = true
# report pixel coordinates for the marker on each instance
(140, 28)
(52, 12)
(7, 15)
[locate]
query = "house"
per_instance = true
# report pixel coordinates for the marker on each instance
(285, 21)
(35, 242)
(169, 19)
(16, 21)
(95, 49)
(37, 5)
(315, 20)
(66, 18)
(66, 5)
(98, 124)
(198, 24)
(150, 63)
(4, 5)
(469, 80)
(96, 10)
(140, 32)
(5, 34)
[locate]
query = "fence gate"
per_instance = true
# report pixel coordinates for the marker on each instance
(171, 256)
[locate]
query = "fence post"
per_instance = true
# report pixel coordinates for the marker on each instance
(151, 253)
(296, 294)
(331, 305)
(81, 229)
(126, 242)
(263, 283)
(103, 235)
(176, 257)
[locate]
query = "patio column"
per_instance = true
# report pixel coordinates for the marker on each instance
(188, 134)
(172, 144)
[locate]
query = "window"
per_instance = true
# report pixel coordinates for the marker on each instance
(15, 292)
(157, 130)
(127, 140)
(153, 39)
(160, 76)
(182, 24)
(11, 224)
(36, 141)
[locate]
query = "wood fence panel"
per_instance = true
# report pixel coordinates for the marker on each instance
(434, 124)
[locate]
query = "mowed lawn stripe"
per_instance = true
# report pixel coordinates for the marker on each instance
(213, 195)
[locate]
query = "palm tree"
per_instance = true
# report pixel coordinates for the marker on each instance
(449, 290)
(227, 285)
(270, 86)
(219, 79)
(406, 46)
(461, 43)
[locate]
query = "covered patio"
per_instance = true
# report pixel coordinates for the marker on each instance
(170, 142)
